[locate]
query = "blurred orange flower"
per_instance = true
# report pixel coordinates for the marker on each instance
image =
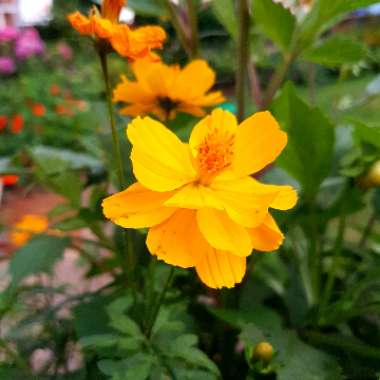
(132, 44)
(38, 109)
(163, 90)
(17, 124)
(54, 89)
(26, 227)
(9, 180)
(199, 201)
(3, 122)
(63, 110)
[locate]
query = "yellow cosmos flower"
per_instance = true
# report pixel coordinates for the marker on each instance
(163, 90)
(26, 227)
(132, 44)
(199, 201)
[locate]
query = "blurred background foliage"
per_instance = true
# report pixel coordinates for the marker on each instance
(315, 65)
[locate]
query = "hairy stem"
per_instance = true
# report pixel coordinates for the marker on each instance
(277, 79)
(335, 260)
(243, 54)
(193, 20)
(160, 300)
(179, 28)
(115, 138)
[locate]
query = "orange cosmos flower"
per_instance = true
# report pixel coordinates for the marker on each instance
(199, 201)
(26, 227)
(17, 124)
(164, 90)
(132, 44)
(38, 109)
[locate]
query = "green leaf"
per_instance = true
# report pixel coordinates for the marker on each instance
(336, 51)
(125, 325)
(37, 256)
(275, 21)
(155, 8)
(309, 152)
(53, 160)
(367, 134)
(224, 11)
(323, 13)
(99, 341)
(71, 224)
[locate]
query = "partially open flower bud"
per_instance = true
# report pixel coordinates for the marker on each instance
(263, 351)
(372, 177)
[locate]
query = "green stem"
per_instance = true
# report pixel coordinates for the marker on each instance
(367, 230)
(243, 54)
(129, 265)
(315, 259)
(178, 27)
(351, 345)
(311, 81)
(115, 138)
(193, 20)
(335, 260)
(277, 79)
(256, 91)
(160, 300)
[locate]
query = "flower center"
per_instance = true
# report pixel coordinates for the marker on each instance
(215, 153)
(168, 105)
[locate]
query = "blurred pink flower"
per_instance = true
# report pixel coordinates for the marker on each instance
(29, 44)
(7, 66)
(8, 33)
(65, 51)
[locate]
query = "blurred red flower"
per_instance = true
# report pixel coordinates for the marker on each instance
(38, 109)
(3, 122)
(17, 123)
(9, 180)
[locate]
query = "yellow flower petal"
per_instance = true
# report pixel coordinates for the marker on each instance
(223, 233)
(258, 142)
(130, 92)
(194, 196)
(161, 161)
(245, 200)
(137, 207)
(268, 236)
(193, 81)
(218, 269)
(170, 240)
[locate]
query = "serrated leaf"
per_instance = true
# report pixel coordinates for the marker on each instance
(125, 325)
(37, 256)
(336, 51)
(309, 152)
(224, 11)
(275, 21)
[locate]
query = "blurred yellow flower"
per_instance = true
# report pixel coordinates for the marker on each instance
(26, 227)
(202, 206)
(132, 44)
(163, 90)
